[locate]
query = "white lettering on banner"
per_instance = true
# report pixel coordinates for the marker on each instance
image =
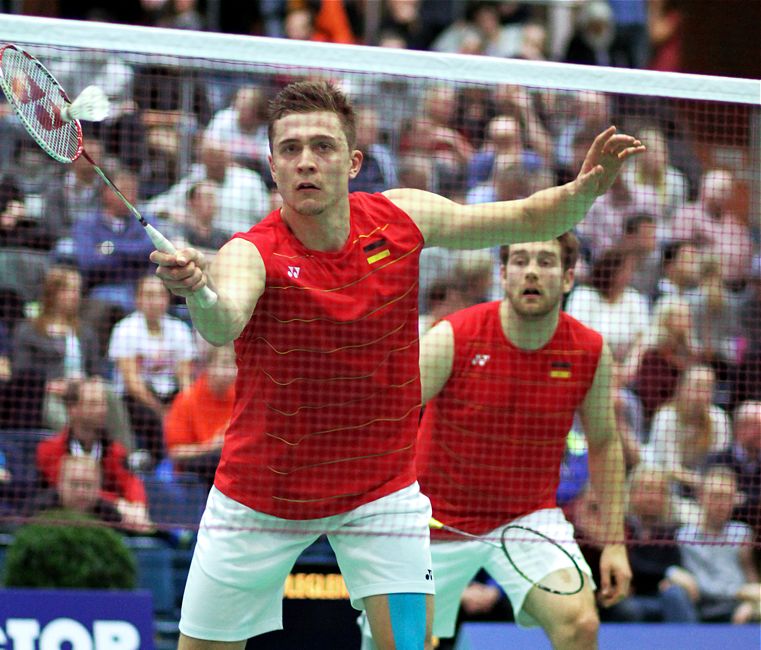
(65, 629)
(116, 635)
(23, 633)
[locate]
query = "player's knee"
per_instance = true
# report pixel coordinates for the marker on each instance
(577, 629)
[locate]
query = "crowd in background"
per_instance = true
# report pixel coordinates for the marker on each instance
(94, 350)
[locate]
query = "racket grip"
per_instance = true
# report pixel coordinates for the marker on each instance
(205, 297)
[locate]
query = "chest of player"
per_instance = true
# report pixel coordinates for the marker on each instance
(354, 290)
(507, 383)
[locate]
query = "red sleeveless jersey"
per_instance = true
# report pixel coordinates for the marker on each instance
(491, 442)
(328, 389)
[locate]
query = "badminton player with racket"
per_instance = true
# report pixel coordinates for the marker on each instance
(320, 298)
(502, 381)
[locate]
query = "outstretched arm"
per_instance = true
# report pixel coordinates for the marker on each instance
(237, 275)
(542, 216)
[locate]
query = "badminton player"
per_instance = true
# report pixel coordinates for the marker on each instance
(502, 381)
(320, 298)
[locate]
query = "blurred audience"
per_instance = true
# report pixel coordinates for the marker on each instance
(712, 223)
(243, 198)
(86, 437)
(594, 32)
(379, 166)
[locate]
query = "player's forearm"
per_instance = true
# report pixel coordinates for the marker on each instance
(221, 323)
(607, 475)
(553, 211)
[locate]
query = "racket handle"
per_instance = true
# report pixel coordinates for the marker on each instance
(204, 297)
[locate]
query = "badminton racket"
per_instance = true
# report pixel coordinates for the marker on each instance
(53, 122)
(514, 535)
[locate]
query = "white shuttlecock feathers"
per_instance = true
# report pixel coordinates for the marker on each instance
(92, 105)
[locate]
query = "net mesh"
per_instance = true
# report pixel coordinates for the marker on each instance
(667, 272)
(38, 100)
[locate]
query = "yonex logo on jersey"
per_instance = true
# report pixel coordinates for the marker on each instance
(293, 271)
(429, 575)
(480, 360)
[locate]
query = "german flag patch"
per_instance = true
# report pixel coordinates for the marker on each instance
(377, 250)
(560, 370)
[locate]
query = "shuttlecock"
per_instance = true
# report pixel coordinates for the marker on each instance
(91, 105)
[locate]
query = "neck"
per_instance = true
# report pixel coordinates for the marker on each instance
(524, 333)
(325, 232)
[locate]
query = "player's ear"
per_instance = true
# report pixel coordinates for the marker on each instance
(356, 163)
(272, 168)
(569, 276)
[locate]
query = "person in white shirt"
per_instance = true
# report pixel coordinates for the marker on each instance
(609, 305)
(243, 198)
(153, 353)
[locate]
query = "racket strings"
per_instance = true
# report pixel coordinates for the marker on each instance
(38, 99)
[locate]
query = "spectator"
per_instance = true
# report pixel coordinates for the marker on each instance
(111, 247)
(17, 229)
(516, 101)
(178, 14)
(78, 489)
(242, 126)
(432, 133)
(711, 222)
(534, 41)
(715, 313)
(748, 380)
(378, 172)
(654, 182)
(744, 459)
(243, 196)
(85, 436)
(153, 353)
(609, 305)
(639, 239)
(681, 264)
(684, 432)
(593, 35)
(58, 347)
(657, 361)
(650, 535)
(497, 39)
(199, 230)
(665, 27)
(79, 192)
(408, 19)
(197, 419)
(318, 20)
(631, 46)
(504, 138)
(719, 573)
(585, 111)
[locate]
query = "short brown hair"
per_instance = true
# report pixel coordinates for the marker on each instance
(313, 97)
(569, 251)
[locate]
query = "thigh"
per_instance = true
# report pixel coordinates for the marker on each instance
(455, 564)
(383, 547)
(235, 584)
(557, 568)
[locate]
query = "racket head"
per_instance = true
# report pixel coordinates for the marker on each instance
(548, 547)
(37, 98)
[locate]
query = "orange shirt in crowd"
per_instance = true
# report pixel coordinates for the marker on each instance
(197, 415)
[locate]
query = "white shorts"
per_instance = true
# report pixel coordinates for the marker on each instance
(456, 563)
(242, 557)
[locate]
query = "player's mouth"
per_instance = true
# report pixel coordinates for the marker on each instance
(531, 291)
(307, 186)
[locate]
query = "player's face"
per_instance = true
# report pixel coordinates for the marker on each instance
(534, 280)
(311, 162)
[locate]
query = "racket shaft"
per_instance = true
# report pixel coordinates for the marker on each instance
(204, 297)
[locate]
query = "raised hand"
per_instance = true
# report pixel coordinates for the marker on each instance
(604, 160)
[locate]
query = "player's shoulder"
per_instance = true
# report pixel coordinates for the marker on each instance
(580, 333)
(475, 316)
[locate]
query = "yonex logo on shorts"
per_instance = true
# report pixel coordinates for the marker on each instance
(429, 575)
